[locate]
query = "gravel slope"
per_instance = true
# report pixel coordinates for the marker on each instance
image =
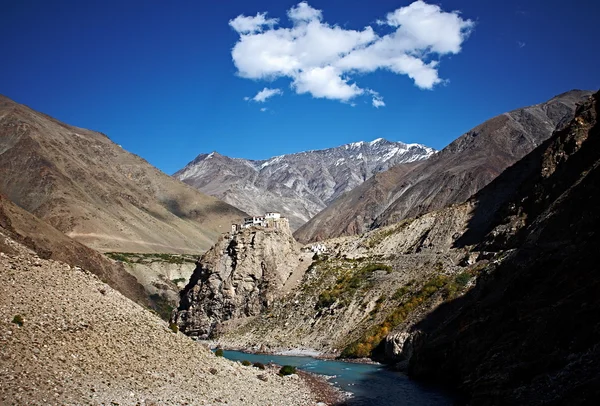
(82, 342)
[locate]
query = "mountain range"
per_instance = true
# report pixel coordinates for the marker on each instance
(450, 176)
(297, 185)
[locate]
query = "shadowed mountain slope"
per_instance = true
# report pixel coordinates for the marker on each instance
(91, 189)
(527, 333)
(450, 176)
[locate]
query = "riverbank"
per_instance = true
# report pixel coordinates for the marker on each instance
(322, 389)
(289, 352)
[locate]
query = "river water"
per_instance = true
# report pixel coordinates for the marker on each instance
(371, 385)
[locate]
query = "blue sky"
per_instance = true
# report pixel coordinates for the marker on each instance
(159, 77)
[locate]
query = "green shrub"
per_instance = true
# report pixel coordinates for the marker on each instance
(462, 279)
(174, 327)
(287, 370)
(219, 352)
(399, 294)
(18, 320)
(246, 363)
(118, 256)
(178, 280)
(259, 365)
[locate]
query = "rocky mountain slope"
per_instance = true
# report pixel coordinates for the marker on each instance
(297, 185)
(526, 333)
(450, 176)
(49, 243)
(496, 296)
(68, 338)
(91, 189)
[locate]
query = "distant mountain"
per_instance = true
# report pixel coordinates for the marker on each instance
(297, 185)
(94, 191)
(450, 176)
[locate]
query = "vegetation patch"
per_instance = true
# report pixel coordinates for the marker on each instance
(178, 280)
(246, 363)
(174, 327)
(135, 258)
(287, 370)
(259, 365)
(161, 305)
(348, 283)
(364, 346)
(219, 352)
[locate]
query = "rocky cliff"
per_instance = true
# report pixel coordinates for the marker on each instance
(297, 185)
(240, 277)
(449, 177)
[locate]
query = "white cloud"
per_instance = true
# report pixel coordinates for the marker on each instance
(377, 100)
(325, 83)
(263, 109)
(264, 94)
(521, 44)
(304, 12)
(249, 25)
(323, 59)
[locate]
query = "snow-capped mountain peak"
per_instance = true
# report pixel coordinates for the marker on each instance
(298, 185)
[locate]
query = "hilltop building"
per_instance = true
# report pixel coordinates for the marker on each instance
(271, 220)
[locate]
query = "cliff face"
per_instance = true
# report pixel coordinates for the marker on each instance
(239, 277)
(527, 334)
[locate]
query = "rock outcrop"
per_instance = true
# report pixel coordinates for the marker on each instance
(240, 277)
(451, 176)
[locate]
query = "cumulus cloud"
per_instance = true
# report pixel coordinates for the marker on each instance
(263, 109)
(264, 94)
(248, 25)
(323, 59)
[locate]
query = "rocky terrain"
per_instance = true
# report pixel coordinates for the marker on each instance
(296, 185)
(496, 296)
(242, 275)
(49, 243)
(450, 176)
(527, 333)
(67, 338)
(91, 189)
